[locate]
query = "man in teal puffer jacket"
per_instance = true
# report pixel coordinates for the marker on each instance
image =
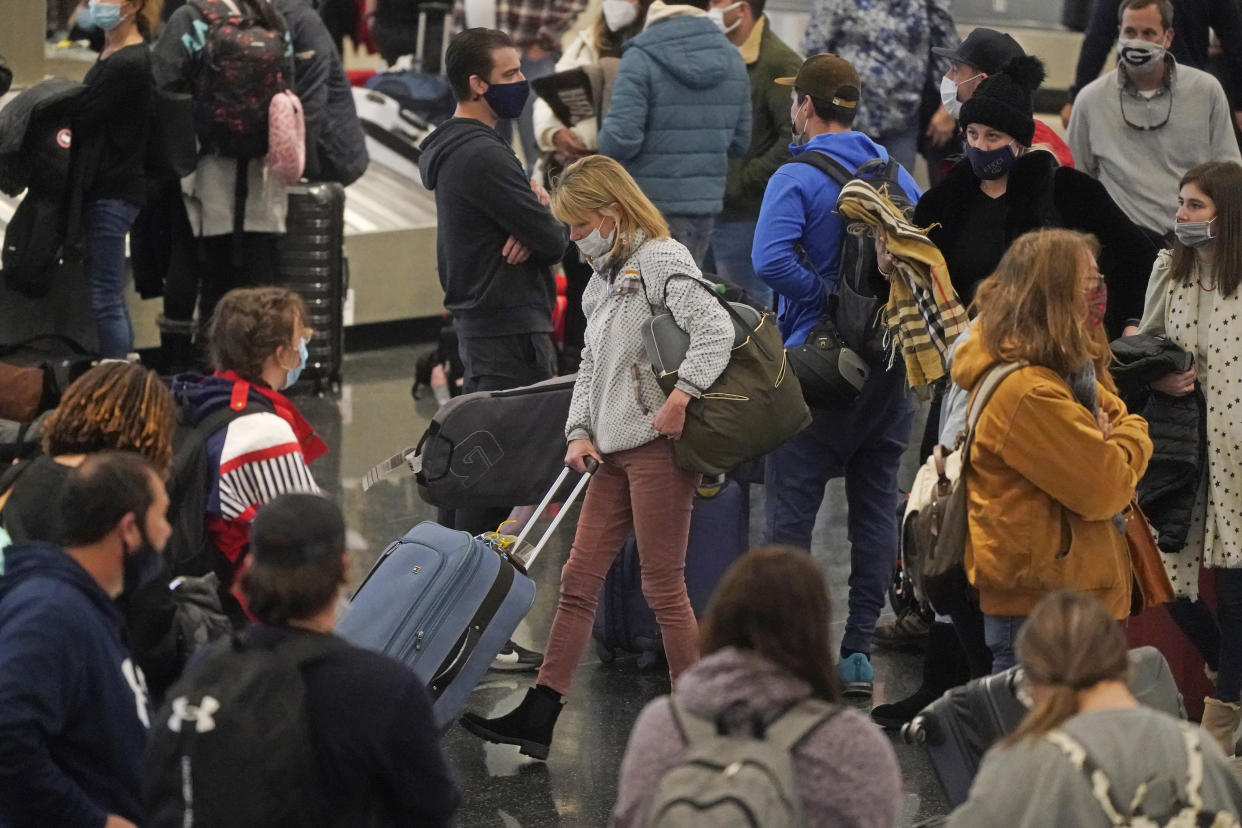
(680, 109)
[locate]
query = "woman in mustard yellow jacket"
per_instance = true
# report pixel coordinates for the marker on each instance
(1056, 455)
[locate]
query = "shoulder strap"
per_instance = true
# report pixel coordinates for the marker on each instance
(796, 723)
(826, 164)
(208, 426)
(1100, 785)
(979, 399)
(694, 729)
(724, 303)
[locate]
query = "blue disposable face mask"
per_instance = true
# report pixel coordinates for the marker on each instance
(989, 164)
(107, 16)
(296, 371)
(83, 20)
(507, 99)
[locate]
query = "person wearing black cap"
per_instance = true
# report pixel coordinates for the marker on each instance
(369, 722)
(985, 52)
(1002, 189)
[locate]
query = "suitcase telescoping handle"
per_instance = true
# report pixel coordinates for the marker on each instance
(591, 465)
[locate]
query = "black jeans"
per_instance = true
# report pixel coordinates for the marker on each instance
(202, 271)
(1229, 593)
(496, 363)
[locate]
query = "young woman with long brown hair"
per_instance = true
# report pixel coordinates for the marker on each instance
(1056, 455)
(766, 647)
(1193, 299)
(1075, 662)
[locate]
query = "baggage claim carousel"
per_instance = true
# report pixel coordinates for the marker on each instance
(390, 240)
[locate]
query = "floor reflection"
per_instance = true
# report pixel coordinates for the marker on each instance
(373, 417)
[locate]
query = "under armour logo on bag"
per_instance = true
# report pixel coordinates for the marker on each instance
(200, 714)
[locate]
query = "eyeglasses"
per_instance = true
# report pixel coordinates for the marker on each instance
(1168, 113)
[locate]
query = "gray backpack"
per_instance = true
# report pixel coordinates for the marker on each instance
(736, 781)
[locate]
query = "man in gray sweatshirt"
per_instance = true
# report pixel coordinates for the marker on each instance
(1139, 128)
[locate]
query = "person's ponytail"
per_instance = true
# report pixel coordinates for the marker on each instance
(1068, 644)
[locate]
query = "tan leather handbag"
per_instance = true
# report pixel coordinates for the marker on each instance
(1151, 582)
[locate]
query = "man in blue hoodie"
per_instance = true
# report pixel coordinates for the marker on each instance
(679, 111)
(73, 704)
(797, 246)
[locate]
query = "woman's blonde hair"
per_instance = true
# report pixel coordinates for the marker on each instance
(1032, 308)
(591, 185)
(1068, 643)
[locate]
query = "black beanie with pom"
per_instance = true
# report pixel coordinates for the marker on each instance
(1005, 100)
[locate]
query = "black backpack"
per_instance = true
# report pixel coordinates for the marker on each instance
(861, 291)
(231, 746)
(189, 550)
(243, 64)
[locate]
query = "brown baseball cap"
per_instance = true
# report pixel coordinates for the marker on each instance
(829, 78)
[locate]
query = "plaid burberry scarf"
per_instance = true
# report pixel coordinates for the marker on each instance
(923, 315)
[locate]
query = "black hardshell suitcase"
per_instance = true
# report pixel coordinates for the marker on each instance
(312, 261)
(959, 727)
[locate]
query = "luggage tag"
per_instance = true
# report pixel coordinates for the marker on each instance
(405, 457)
(506, 546)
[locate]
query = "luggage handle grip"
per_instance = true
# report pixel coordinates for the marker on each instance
(591, 465)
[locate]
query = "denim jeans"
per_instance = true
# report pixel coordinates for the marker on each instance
(643, 489)
(732, 240)
(107, 222)
(532, 68)
(695, 232)
(1001, 633)
(863, 443)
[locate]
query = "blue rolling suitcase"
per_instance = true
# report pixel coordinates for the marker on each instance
(719, 535)
(444, 603)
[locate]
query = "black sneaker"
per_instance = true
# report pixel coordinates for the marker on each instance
(517, 659)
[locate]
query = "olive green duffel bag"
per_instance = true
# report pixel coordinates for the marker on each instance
(753, 406)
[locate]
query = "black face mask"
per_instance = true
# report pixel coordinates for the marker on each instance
(142, 566)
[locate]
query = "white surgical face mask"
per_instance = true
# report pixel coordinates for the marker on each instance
(1140, 56)
(594, 245)
(618, 14)
(717, 16)
(948, 95)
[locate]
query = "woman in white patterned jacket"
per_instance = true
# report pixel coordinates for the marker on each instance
(621, 418)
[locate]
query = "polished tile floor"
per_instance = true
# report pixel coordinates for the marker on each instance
(374, 417)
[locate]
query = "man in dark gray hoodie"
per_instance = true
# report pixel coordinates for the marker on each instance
(496, 243)
(497, 239)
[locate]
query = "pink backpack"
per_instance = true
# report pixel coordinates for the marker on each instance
(286, 138)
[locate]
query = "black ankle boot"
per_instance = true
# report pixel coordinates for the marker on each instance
(529, 725)
(943, 668)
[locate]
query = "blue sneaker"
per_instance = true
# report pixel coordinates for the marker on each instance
(857, 677)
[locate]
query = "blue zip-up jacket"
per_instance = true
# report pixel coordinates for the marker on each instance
(800, 210)
(73, 705)
(680, 109)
